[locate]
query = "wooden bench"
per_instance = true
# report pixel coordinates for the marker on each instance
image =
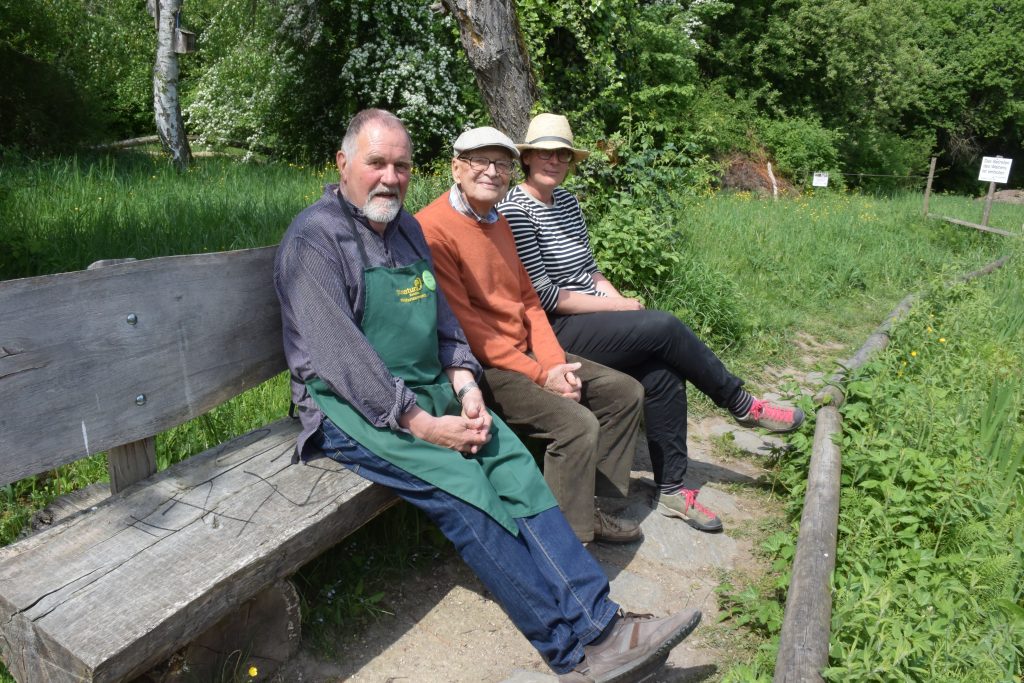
(103, 360)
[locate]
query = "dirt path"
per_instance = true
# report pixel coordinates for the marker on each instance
(445, 629)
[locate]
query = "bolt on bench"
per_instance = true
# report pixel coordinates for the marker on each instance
(103, 360)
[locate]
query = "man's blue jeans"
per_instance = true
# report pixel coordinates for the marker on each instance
(549, 585)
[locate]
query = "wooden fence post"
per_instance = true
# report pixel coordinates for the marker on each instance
(928, 187)
(988, 203)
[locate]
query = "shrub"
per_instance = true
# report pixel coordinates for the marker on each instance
(801, 146)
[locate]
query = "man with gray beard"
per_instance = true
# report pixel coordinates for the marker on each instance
(385, 384)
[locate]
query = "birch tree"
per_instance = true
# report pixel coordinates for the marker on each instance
(166, 107)
(494, 44)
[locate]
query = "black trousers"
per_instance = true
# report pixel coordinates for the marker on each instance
(663, 354)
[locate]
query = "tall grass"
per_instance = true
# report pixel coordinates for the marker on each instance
(929, 578)
(63, 214)
(829, 264)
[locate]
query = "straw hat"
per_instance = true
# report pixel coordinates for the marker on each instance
(551, 131)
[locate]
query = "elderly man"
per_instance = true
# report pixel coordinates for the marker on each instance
(586, 415)
(385, 384)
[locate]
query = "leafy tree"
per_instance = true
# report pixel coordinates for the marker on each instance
(286, 76)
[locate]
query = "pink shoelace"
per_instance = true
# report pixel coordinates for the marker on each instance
(691, 501)
(770, 411)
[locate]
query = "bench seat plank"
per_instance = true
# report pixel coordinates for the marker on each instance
(182, 549)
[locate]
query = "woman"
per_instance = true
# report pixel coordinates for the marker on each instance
(592, 319)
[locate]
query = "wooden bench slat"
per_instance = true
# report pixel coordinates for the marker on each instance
(71, 365)
(181, 549)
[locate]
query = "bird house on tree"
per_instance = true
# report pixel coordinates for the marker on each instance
(184, 40)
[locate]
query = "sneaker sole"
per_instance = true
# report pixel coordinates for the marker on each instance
(706, 528)
(635, 671)
(619, 540)
(752, 425)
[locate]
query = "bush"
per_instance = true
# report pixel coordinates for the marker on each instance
(801, 146)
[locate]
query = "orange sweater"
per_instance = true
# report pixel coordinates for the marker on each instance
(489, 291)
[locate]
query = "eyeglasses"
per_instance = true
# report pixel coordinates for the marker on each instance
(563, 155)
(481, 164)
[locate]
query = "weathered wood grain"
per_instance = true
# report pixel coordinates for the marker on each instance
(110, 593)
(78, 377)
(803, 642)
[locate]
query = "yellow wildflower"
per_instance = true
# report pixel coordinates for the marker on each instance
(942, 340)
(253, 672)
(913, 353)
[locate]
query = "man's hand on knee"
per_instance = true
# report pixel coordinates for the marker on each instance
(562, 380)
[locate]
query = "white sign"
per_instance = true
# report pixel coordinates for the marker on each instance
(820, 179)
(995, 169)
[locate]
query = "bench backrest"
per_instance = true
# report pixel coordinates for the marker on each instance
(95, 359)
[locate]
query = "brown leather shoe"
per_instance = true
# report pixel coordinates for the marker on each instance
(637, 645)
(610, 529)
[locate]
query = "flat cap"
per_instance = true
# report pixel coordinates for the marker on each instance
(485, 136)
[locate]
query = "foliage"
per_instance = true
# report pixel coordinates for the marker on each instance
(896, 77)
(929, 581)
(802, 146)
(287, 76)
(629, 190)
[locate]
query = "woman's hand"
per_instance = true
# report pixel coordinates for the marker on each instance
(623, 304)
(457, 432)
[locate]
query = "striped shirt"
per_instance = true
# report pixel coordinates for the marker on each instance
(552, 242)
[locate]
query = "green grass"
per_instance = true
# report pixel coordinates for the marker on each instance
(830, 264)
(747, 275)
(929, 581)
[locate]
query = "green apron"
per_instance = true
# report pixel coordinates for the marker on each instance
(400, 322)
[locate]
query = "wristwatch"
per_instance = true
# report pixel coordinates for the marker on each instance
(466, 388)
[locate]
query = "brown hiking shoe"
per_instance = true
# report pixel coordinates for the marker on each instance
(612, 529)
(637, 645)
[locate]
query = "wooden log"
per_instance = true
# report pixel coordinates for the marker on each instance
(968, 224)
(803, 642)
(832, 394)
(124, 352)
(183, 549)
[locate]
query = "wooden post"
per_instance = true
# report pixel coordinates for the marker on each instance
(988, 203)
(928, 187)
(775, 185)
(133, 461)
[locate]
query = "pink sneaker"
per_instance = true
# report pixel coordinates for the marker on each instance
(774, 418)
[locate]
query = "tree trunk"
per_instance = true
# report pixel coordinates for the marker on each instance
(169, 124)
(497, 54)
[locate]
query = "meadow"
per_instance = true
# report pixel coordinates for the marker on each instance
(747, 274)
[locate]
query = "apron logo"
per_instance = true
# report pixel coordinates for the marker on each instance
(429, 281)
(414, 293)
